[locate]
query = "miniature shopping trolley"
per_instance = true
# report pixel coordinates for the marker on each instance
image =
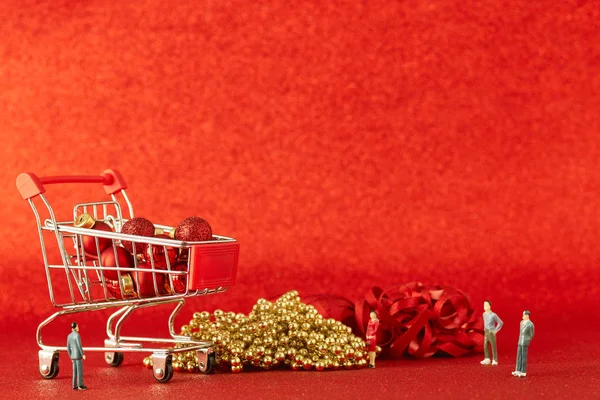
(84, 282)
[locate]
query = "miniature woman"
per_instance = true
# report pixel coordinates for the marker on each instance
(372, 338)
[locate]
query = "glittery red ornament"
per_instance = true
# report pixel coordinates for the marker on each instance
(107, 259)
(158, 254)
(89, 242)
(139, 227)
(193, 229)
(145, 282)
(179, 281)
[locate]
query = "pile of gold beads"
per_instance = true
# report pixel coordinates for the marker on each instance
(284, 333)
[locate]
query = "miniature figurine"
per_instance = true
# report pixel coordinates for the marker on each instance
(492, 325)
(75, 351)
(372, 338)
(525, 336)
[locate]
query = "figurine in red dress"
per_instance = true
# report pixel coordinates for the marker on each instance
(372, 338)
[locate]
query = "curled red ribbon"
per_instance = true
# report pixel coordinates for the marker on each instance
(415, 320)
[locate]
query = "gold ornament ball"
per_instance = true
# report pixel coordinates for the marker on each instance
(267, 360)
(291, 352)
(308, 364)
(204, 316)
(320, 365)
(148, 362)
(236, 369)
(279, 356)
(268, 341)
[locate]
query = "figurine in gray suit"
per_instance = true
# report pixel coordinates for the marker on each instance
(525, 336)
(75, 351)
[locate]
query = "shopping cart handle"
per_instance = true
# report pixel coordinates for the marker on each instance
(30, 185)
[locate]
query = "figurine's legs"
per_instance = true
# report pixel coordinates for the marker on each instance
(486, 344)
(492, 340)
(75, 385)
(524, 359)
(78, 373)
(372, 358)
(519, 367)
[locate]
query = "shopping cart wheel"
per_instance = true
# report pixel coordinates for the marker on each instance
(207, 359)
(48, 364)
(162, 367)
(113, 359)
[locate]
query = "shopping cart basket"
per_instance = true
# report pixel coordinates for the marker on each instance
(86, 283)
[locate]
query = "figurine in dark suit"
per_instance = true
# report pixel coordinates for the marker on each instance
(75, 351)
(525, 336)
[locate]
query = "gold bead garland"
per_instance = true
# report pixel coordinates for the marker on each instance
(284, 333)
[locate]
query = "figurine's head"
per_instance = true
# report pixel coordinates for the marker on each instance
(526, 314)
(487, 305)
(373, 315)
(74, 326)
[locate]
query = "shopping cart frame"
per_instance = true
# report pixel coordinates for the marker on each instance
(216, 260)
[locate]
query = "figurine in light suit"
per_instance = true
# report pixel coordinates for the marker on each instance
(76, 355)
(525, 336)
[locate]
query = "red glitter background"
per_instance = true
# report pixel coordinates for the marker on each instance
(344, 145)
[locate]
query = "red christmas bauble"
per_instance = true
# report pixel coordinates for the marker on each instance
(107, 259)
(179, 281)
(139, 227)
(145, 282)
(193, 229)
(158, 254)
(89, 242)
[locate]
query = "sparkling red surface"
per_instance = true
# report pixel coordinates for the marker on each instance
(137, 226)
(344, 146)
(193, 229)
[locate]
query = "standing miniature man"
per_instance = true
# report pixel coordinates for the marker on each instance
(75, 351)
(491, 325)
(372, 338)
(525, 336)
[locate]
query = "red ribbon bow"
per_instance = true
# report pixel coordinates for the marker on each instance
(414, 320)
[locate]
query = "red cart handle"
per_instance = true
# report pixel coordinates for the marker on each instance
(30, 185)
